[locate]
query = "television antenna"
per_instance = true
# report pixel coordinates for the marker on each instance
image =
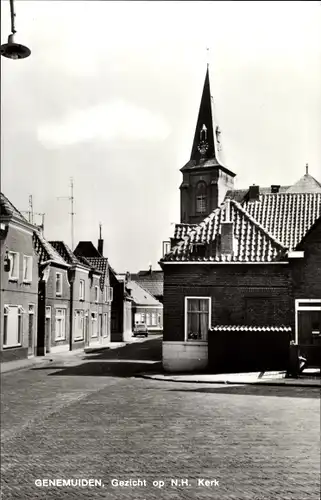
(72, 213)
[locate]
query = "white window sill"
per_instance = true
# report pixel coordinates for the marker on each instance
(13, 345)
(81, 300)
(27, 282)
(14, 280)
(79, 339)
(58, 294)
(58, 339)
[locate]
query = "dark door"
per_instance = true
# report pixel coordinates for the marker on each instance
(309, 336)
(31, 334)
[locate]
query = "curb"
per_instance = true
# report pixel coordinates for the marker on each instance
(228, 382)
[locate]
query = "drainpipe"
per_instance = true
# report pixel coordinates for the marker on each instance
(72, 282)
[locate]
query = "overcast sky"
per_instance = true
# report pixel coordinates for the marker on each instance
(110, 96)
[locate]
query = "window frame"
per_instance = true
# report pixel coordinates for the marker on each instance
(58, 293)
(19, 332)
(82, 290)
(10, 254)
(63, 322)
(186, 299)
(201, 197)
(79, 316)
(96, 291)
(94, 321)
(29, 269)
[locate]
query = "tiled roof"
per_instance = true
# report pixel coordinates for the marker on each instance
(46, 252)
(101, 264)
(241, 195)
(66, 253)
(247, 328)
(307, 184)
(9, 210)
(152, 281)
(87, 249)
(182, 230)
(287, 216)
(263, 229)
(140, 295)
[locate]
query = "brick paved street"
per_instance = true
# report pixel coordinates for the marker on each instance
(95, 420)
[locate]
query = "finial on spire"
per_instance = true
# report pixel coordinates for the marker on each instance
(208, 56)
(306, 168)
(100, 230)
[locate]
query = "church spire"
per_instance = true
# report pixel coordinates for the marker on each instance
(204, 144)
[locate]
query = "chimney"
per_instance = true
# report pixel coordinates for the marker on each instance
(100, 243)
(254, 193)
(227, 233)
(150, 268)
(275, 188)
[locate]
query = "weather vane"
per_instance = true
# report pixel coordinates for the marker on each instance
(13, 50)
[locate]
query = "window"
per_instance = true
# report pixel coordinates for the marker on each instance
(79, 325)
(58, 284)
(159, 318)
(60, 324)
(94, 329)
(142, 317)
(14, 266)
(108, 294)
(201, 197)
(105, 334)
(82, 290)
(48, 312)
(154, 319)
(148, 319)
(31, 312)
(12, 325)
(27, 269)
(96, 293)
(197, 317)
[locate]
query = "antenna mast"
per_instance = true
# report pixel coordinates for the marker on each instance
(31, 214)
(72, 213)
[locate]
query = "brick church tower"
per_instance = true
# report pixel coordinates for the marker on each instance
(205, 180)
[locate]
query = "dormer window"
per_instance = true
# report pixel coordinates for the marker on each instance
(201, 198)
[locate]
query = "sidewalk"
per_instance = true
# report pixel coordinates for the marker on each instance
(22, 364)
(255, 378)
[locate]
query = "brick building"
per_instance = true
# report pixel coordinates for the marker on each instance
(19, 285)
(240, 259)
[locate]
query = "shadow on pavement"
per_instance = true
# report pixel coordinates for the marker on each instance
(124, 361)
(258, 390)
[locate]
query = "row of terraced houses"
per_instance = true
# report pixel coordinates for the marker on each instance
(54, 299)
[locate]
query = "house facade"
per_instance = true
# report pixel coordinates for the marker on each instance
(121, 308)
(19, 285)
(145, 308)
(240, 261)
(54, 308)
(99, 315)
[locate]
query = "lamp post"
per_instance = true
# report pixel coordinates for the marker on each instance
(13, 50)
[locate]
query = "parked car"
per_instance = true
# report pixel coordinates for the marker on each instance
(140, 329)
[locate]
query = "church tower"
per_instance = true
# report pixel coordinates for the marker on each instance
(205, 180)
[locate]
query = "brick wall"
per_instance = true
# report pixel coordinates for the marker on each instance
(238, 293)
(306, 273)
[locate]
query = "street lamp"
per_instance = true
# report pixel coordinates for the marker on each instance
(13, 50)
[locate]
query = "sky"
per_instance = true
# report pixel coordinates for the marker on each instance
(110, 97)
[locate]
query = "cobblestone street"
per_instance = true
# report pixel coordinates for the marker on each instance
(90, 418)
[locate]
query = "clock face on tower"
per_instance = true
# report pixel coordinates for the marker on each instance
(203, 147)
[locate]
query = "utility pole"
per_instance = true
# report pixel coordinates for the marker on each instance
(31, 214)
(72, 213)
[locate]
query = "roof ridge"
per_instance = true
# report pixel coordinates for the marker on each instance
(257, 224)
